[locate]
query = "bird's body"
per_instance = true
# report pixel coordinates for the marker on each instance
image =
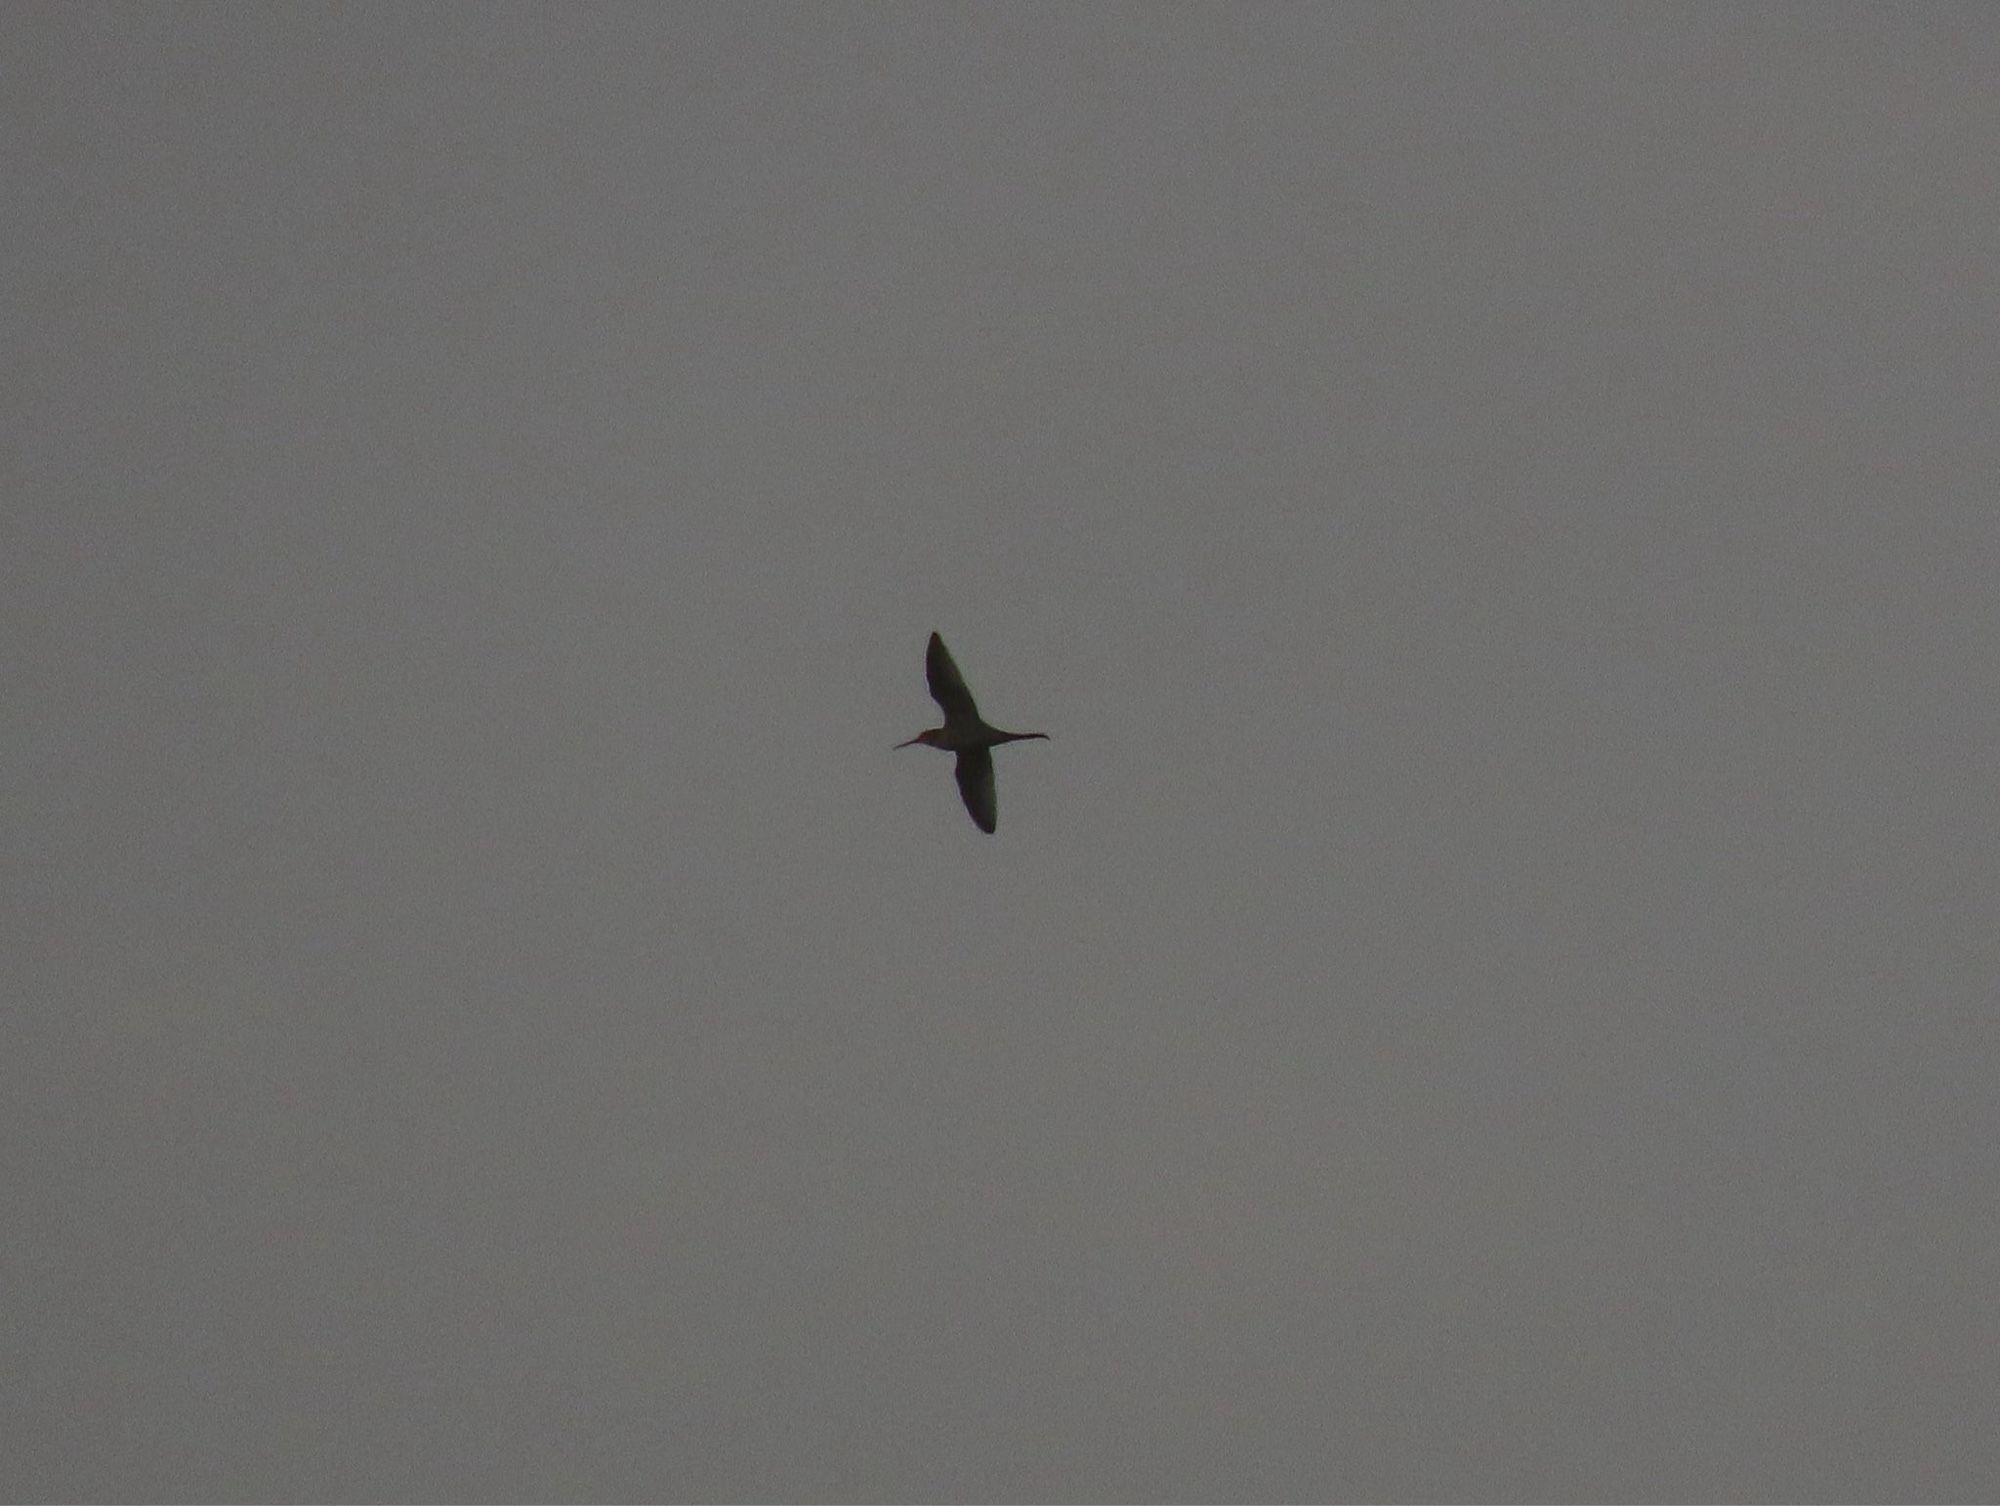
(966, 734)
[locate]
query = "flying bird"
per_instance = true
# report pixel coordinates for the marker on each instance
(965, 734)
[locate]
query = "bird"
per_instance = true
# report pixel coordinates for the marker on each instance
(966, 734)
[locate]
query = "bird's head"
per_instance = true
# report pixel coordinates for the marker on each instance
(928, 739)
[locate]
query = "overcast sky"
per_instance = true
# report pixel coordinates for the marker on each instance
(1490, 990)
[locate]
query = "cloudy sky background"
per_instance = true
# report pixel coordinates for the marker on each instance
(1490, 991)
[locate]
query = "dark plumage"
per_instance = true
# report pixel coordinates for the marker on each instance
(965, 734)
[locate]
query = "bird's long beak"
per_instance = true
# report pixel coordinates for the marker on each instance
(908, 743)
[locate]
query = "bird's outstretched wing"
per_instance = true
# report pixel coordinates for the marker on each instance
(948, 689)
(975, 783)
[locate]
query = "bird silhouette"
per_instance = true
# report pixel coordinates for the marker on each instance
(965, 733)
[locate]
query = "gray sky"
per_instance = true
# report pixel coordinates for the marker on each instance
(1490, 992)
